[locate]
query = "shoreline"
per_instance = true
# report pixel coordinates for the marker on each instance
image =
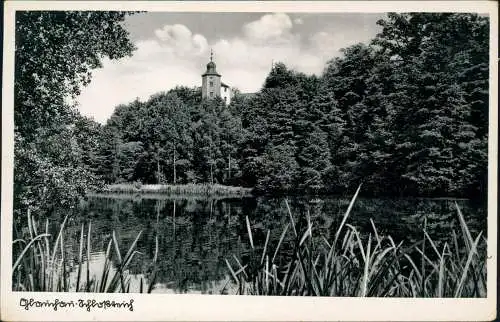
(177, 189)
(224, 191)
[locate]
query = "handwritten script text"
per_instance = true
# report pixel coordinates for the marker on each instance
(88, 305)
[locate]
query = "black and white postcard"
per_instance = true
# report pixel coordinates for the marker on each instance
(249, 161)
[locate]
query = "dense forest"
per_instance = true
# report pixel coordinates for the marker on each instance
(405, 114)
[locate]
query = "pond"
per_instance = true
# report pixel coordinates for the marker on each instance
(196, 235)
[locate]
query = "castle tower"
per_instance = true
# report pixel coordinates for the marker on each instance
(210, 81)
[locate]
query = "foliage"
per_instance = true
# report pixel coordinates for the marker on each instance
(359, 266)
(55, 147)
(405, 114)
(302, 261)
(42, 264)
(183, 140)
(416, 131)
(441, 127)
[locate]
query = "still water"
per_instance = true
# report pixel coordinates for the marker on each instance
(196, 236)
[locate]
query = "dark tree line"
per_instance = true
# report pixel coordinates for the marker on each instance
(406, 114)
(174, 137)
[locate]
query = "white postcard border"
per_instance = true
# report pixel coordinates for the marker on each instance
(157, 307)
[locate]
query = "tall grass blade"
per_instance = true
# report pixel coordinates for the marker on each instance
(249, 228)
(465, 229)
(441, 277)
(30, 227)
(455, 243)
(63, 265)
(291, 217)
(155, 258)
(54, 249)
(422, 286)
(80, 256)
(240, 266)
(152, 280)
(366, 271)
(232, 272)
(433, 245)
(283, 234)
(265, 247)
(376, 233)
(88, 255)
(26, 249)
(117, 248)
(105, 271)
(351, 204)
(308, 232)
(131, 249)
(472, 252)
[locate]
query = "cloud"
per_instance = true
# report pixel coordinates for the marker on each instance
(268, 27)
(173, 55)
(262, 42)
(298, 21)
(181, 40)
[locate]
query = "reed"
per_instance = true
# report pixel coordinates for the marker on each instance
(179, 189)
(352, 264)
(42, 264)
(357, 265)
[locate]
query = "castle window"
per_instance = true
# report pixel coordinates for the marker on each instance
(211, 83)
(225, 89)
(211, 94)
(225, 99)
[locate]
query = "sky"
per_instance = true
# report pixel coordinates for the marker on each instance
(173, 50)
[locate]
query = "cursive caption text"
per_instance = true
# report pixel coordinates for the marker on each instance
(88, 305)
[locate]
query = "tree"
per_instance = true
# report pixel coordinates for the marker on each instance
(87, 133)
(230, 137)
(279, 169)
(404, 114)
(327, 118)
(347, 86)
(313, 159)
(129, 157)
(54, 54)
(442, 114)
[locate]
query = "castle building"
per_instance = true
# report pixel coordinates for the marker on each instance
(211, 84)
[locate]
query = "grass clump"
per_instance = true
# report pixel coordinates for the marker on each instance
(180, 189)
(43, 266)
(357, 265)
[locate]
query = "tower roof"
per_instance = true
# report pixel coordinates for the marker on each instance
(211, 67)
